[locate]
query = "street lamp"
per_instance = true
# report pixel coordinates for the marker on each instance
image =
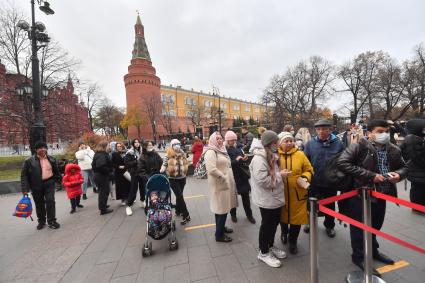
(36, 34)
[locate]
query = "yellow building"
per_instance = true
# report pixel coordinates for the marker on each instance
(191, 104)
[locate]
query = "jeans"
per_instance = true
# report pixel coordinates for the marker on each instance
(220, 222)
(270, 218)
(177, 185)
(88, 175)
(246, 205)
(102, 182)
(75, 201)
(44, 200)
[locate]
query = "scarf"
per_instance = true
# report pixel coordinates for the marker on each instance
(213, 144)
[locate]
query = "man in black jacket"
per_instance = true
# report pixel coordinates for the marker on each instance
(38, 175)
(413, 150)
(382, 168)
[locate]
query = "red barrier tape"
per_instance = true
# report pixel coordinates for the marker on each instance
(339, 197)
(398, 201)
(369, 229)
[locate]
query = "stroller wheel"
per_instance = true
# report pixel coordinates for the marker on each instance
(147, 250)
(173, 244)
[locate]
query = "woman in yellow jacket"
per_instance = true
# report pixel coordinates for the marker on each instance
(294, 213)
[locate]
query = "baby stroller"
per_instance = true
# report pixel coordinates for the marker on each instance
(159, 222)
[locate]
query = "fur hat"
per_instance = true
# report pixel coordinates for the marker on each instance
(230, 135)
(269, 137)
(174, 141)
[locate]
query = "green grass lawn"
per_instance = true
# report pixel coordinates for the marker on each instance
(13, 174)
(10, 167)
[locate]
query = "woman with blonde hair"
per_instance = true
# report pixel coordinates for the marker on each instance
(302, 137)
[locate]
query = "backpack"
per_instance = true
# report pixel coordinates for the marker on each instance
(201, 169)
(24, 208)
(338, 179)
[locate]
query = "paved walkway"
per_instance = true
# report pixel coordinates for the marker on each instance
(93, 248)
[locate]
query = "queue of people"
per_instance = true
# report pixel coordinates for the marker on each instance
(279, 171)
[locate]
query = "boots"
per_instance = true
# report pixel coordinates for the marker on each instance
(94, 190)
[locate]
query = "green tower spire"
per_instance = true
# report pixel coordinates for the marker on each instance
(140, 49)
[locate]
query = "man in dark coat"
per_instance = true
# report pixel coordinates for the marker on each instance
(319, 150)
(246, 139)
(38, 175)
(413, 150)
(382, 168)
(238, 160)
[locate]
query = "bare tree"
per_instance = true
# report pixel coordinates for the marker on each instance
(92, 97)
(108, 118)
(153, 108)
(167, 116)
(14, 43)
(56, 65)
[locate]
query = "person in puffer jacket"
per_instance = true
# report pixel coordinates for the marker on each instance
(72, 182)
(413, 150)
(267, 194)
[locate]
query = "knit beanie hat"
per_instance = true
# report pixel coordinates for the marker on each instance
(230, 135)
(269, 137)
(285, 135)
(174, 141)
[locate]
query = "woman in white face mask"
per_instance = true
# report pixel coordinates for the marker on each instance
(175, 164)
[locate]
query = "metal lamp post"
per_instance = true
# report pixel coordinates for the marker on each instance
(36, 34)
(216, 92)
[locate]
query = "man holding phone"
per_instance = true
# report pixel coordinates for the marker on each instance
(381, 169)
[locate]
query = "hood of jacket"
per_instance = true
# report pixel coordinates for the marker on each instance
(416, 126)
(257, 147)
(70, 166)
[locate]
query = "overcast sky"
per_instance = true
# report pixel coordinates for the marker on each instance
(237, 45)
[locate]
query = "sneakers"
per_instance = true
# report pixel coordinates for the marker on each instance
(72, 211)
(143, 204)
(128, 211)
(224, 239)
(54, 225)
(107, 211)
(269, 259)
(330, 232)
(278, 252)
(234, 218)
(185, 220)
(123, 203)
(80, 205)
(40, 226)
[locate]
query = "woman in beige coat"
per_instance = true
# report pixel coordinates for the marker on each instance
(221, 184)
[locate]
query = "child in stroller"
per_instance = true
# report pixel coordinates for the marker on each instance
(159, 222)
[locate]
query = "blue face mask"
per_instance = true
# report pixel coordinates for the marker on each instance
(176, 147)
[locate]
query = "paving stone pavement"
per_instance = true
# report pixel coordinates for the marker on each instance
(93, 248)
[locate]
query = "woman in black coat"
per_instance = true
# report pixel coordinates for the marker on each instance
(149, 162)
(102, 168)
(122, 185)
(413, 150)
(240, 173)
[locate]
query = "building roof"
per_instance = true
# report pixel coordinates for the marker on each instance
(140, 49)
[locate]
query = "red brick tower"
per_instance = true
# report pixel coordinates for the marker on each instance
(142, 86)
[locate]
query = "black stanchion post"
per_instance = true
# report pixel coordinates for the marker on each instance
(314, 270)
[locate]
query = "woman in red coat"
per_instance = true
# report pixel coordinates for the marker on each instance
(72, 182)
(197, 148)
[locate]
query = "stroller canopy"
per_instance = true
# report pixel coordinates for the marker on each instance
(158, 182)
